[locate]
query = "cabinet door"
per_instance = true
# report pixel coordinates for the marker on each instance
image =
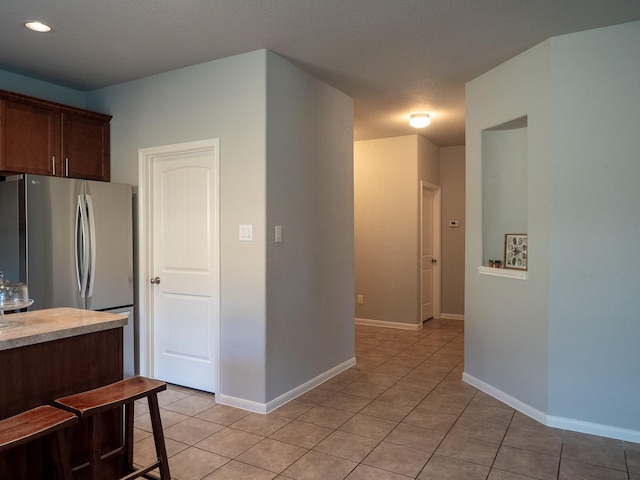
(85, 147)
(27, 138)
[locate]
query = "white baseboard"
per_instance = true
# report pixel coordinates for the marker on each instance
(242, 403)
(285, 397)
(386, 324)
(551, 420)
(522, 407)
(594, 428)
(451, 316)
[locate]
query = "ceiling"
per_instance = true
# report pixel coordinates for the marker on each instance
(394, 57)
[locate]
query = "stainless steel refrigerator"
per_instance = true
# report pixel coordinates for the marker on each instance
(71, 242)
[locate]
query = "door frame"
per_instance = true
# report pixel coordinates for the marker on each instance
(437, 232)
(145, 247)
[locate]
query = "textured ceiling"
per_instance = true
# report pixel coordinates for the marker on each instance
(394, 57)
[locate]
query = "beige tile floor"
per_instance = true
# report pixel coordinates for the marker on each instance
(402, 412)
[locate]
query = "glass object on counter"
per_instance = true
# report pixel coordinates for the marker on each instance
(13, 296)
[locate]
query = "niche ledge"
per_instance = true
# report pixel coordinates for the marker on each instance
(503, 272)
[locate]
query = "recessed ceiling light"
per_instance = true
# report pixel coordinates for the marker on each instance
(419, 120)
(37, 26)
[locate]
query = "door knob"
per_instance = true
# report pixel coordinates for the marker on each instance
(155, 280)
(433, 260)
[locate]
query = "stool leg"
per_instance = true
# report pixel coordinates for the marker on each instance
(95, 443)
(128, 435)
(60, 453)
(158, 437)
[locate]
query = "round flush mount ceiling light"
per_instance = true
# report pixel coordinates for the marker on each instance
(37, 26)
(419, 120)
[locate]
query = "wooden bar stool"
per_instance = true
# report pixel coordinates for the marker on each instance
(125, 392)
(37, 423)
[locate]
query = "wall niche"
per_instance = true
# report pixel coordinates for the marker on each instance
(504, 185)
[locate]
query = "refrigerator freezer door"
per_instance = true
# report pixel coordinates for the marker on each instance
(11, 224)
(50, 229)
(111, 274)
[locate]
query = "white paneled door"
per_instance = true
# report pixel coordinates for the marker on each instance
(429, 251)
(428, 257)
(184, 265)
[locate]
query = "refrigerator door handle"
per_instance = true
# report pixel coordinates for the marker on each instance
(92, 245)
(81, 247)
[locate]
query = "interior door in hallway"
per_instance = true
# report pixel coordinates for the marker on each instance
(428, 258)
(184, 280)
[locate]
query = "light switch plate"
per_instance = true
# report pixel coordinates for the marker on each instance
(246, 233)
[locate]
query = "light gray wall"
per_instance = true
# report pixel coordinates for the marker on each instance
(386, 212)
(37, 88)
(504, 192)
(564, 342)
(428, 165)
(223, 99)
(452, 181)
(310, 194)
(594, 305)
(506, 319)
(387, 204)
(286, 159)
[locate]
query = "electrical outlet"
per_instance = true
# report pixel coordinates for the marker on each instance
(360, 299)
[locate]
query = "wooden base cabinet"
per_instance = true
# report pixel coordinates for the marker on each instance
(46, 138)
(37, 374)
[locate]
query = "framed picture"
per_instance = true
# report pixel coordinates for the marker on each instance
(515, 251)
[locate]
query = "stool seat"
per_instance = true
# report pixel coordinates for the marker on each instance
(37, 423)
(117, 395)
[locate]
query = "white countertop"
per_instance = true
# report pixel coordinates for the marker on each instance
(40, 326)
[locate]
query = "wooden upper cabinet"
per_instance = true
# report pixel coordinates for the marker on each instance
(28, 140)
(46, 138)
(85, 147)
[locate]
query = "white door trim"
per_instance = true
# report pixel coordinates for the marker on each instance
(145, 253)
(437, 228)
